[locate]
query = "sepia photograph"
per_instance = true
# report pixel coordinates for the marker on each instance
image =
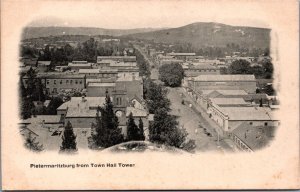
(89, 79)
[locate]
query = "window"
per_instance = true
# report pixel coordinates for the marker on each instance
(71, 81)
(60, 82)
(67, 81)
(266, 124)
(251, 123)
(80, 82)
(47, 81)
(76, 82)
(54, 90)
(55, 82)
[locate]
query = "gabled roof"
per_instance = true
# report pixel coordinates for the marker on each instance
(84, 107)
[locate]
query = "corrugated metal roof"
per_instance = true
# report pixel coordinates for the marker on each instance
(84, 71)
(248, 113)
(225, 78)
(229, 101)
(254, 137)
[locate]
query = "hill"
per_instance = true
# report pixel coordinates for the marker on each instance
(35, 32)
(210, 34)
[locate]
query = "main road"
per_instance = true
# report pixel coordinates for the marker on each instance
(152, 65)
(197, 126)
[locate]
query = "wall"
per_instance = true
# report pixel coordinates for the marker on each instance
(132, 87)
(99, 91)
(59, 84)
(81, 122)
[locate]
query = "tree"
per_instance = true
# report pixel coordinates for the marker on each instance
(32, 144)
(171, 74)
(106, 131)
(68, 139)
(53, 105)
(267, 69)
(156, 97)
(27, 108)
(142, 64)
(165, 130)
(22, 89)
(34, 86)
(260, 102)
(141, 129)
(240, 66)
(133, 133)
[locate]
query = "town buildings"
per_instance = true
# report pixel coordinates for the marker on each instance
(182, 56)
(76, 65)
(215, 82)
(191, 70)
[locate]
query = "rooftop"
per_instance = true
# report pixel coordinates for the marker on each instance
(129, 78)
(80, 64)
(229, 101)
(136, 112)
(224, 78)
(97, 71)
(248, 113)
(48, 119)
(232, 92)
(83, 107)
(249, 97)
(44, 62)
(124, 58)
(84, 71)
(100, 84)
(255, 137)
(182, 54)
(202, 66)
(107, 80)
(123, 64)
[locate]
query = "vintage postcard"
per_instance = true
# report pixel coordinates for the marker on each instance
(175, 94)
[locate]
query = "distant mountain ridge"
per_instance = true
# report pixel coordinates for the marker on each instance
(210, 34)
(35, 32)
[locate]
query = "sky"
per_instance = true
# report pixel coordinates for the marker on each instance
(145, 14)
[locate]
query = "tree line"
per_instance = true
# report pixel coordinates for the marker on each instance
(263, 70)
(85, 51)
